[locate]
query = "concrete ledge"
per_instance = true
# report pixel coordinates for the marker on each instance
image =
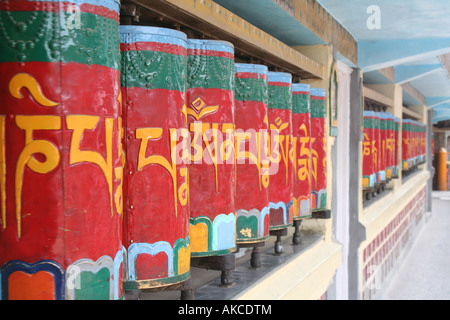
(305, 278)
(376, 215)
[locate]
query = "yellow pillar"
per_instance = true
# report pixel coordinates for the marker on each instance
(442, 170)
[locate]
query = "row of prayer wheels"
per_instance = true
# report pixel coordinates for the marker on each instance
(381, 147)
(414, 143)
(128, 150)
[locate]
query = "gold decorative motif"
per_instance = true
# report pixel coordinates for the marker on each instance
(24, 80)
(200, 110)
(247, 232)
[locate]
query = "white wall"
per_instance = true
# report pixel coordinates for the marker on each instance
(342, 191)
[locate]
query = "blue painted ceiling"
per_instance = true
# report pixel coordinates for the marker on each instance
(413, 36)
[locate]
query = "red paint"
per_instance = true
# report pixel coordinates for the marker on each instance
(302, 166)
(250, 118)
(210, 53)
(368, 151)
(154, 46)
(280, 188)
(205, 198)
(51, 6)
(151, 215)
(62, 220)
(279, 84)
(250, 75)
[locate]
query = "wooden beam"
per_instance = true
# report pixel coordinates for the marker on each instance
(215, 21)
(413, 92)
(411, 113)
(388, 73)
(376, 96)
(320, 22)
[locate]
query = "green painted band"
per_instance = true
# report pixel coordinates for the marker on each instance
(49, 38)
(153, 70)
(301, 103)
(248, 89)
(280, 98)
(210, 72)
(318, 109)
(369, 123)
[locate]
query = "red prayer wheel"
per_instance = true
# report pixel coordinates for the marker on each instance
(382, 147)
(61, 157)
(281, 169)
(210, 115)
(301, 138)
(389, 145)
(156, 224)
(396, 167)
(318, 149)
(369, 175)
(406, 144)
(378, 147)
(252, 179)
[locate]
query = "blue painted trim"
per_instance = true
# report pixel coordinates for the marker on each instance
(132, 34)
(279, 77)
(219, 240)
(301, 87)
(262, 215)
(251, 68)
(213, 45)
(318, 92)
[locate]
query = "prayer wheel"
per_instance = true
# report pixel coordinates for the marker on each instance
(389, 145)
(395, 173)
(252, 178)
(281, 167)
(377, 151)
(156, 224)
(382, 147)
(369, 174)
(210, 117)
(318, 149)
(301, 138)
(61, 157)
(406, 144)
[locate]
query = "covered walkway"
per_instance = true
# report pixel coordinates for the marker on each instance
(424, 272)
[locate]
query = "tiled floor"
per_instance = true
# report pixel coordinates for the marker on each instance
(424, 273)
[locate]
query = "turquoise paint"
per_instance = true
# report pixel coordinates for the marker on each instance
(434, 85)
(271, 18)
(374, 55)
(376, 77)
(406, 73)
(433, 102)
(413, 33)
(224, 234)
(400, 19)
